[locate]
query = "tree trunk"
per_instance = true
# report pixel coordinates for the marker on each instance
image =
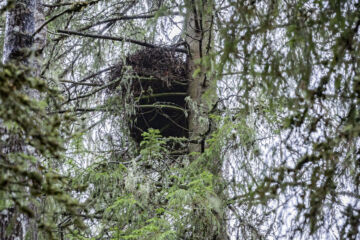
(21, 22)
(199, 39)
(203, 96)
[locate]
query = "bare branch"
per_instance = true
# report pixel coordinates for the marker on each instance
(75, 7)
(121, 39)
(125, 18)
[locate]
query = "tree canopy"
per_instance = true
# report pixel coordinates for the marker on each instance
(196, 119)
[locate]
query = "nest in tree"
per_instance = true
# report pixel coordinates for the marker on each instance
(158, 83)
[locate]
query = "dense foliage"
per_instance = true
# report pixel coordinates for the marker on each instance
(29, 153)
(282, 157)
(297, 67)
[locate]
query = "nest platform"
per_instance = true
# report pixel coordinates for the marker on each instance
(158, 84)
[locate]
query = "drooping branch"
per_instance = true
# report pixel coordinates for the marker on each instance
(107, 109)
(97, 73)
(92, 92)
(165, 94)
(122, 18)
(125, 18)
(160, 106)
(75, 7)
(57, 5)
(120, 39)
(80, 83)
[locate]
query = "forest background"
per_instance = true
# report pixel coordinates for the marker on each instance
(254, 134)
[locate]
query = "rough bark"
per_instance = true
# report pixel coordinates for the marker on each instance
(199, 40)
(202, 92)
(40, 37)
(21, 22)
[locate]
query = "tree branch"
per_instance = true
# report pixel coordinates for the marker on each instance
(119, 19)
(165, 94)
(80, 83)
(106, 109)
(75, 7)
(56, 5)
(141, 16)
(92, 92)
(121, 39)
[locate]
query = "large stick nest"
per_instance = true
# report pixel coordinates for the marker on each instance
(159, 87)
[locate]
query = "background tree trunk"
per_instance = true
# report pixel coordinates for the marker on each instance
(21, 22)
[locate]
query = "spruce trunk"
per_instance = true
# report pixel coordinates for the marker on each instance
(203, 96)
(19, 49)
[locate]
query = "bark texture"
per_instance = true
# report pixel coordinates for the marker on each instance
(199, 40)
(203, 96)
(19, 47)
(20, 24)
